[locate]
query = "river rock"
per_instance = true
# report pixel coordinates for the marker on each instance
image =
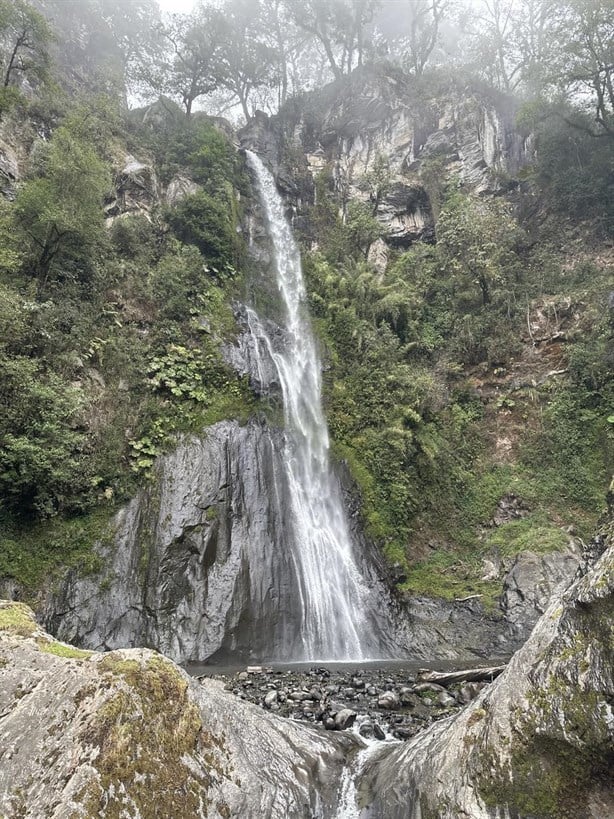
(345, 719)
(378, 731)
(389, 700)
(270, 699)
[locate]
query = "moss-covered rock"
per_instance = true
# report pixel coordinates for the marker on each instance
(539, 742)
(129, 734)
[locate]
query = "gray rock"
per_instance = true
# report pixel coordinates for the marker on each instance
(389, 700)
(504, 754)
(198, 562)
(378, 731)
(531, 581)
(345, 719)
(136, 189)
(270, 699)
(124, 733)
(445, 699)
(178, 188)
(468, 692)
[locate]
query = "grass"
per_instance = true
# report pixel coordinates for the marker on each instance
(17, 618)
(63, 650)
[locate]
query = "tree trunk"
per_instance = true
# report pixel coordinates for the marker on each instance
(468, 675)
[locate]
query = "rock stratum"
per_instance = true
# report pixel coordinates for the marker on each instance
(129, 734)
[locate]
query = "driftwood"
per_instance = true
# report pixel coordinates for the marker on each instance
(468, 675)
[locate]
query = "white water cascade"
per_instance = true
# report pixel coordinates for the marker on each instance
(339, 610)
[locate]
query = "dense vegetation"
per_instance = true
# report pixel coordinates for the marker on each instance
(111, 317)
(428, 368)
(110, 335)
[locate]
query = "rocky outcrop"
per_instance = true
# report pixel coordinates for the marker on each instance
(374, 132)
(197, 560)
(130, 734)
(530, 583)
(136, 189)
(538, 742)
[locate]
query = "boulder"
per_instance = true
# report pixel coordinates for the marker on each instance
(128, 733)
(537, 742)
(345, 719)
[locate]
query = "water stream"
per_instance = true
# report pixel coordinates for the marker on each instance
(340, 620)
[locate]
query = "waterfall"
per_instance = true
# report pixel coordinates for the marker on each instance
(339, 617)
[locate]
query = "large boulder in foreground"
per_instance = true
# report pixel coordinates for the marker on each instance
(538, 743)
(129, 734)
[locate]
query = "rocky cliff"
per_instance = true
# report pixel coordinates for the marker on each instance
(376, 132)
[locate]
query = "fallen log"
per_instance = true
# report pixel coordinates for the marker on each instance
(468, 675)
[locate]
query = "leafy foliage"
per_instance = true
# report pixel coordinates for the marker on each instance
(57, 215)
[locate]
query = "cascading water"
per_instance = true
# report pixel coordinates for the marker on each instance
(338, 608)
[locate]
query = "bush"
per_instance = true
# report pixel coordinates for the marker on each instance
(206, 221)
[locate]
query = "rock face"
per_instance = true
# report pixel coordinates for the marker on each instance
(374, 135)
(530, 582)
(130, 734)
(538, 742)
(197, 563)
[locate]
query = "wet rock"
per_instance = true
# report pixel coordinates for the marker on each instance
(389, 700)
(378, 731)
(366, 729)
(345, 719)
(270, 699)
(189, 537)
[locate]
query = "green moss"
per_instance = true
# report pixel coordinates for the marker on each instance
(17, 618)
(143, 734)
(450, 577)
(547, 778)
(63, 650)
(33, 554)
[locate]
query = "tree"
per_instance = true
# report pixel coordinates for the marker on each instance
(587, 55)
(424, 24)
(246, 61)
(40, 460)
(25, 34)
(476, 241)
(195, 52)
(338, 25)
(58, 213)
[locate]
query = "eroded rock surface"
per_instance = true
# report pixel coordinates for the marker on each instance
(374, 135)
(130, 734)
(538, 742)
